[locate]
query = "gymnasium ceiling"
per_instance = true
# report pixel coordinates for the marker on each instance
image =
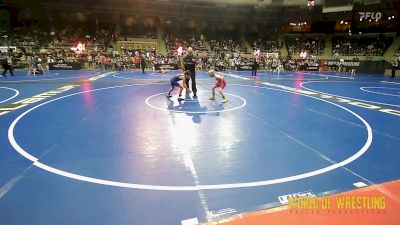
(262, 11)
(251, 2)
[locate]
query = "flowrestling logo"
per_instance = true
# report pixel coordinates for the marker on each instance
(370, 15)
(284, 199)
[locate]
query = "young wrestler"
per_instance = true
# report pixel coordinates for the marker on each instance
(221, 83)
(175, 83)
(32, 66)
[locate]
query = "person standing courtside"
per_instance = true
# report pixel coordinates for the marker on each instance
(255, 62)
(189, 63)
(6, 62)
(142, 62)
(395, 65)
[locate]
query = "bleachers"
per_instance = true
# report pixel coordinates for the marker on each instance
(175, 38)
(360, 45)
(224, 47)
(226, 42)
(298, 44)
(397, 53)
(264, 43)
(137, 31)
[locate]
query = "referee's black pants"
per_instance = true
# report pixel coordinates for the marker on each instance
(193, 78)
(254, 70)
(5, 68)
(393, 71)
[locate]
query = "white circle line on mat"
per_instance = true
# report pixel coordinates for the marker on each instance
(53, 170)
(380, 93)
(147, 101)
(12, 89)
(362, 100)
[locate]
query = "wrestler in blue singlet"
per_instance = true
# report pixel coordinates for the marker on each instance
(174, 80)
